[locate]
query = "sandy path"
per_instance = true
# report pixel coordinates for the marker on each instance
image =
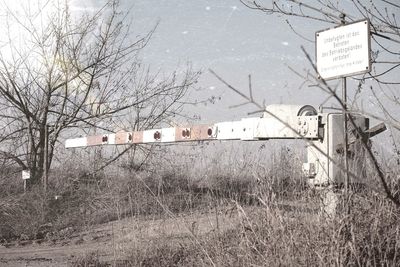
(114, 240)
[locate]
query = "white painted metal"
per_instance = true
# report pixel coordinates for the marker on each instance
(168, 135)
(111, 139)
(249, 127)
(229, 130)
(76, 142)
(324, 164)
(344, 50)
(288, 127)
(280, 121)
(324, 132)
(288, 113)
(148, 136)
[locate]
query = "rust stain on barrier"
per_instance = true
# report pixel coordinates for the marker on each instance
(94, 140)
(137, 137)
(200, 132)
(121, 138)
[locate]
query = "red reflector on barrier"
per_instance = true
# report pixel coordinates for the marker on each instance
(157, 135)
(209, 132)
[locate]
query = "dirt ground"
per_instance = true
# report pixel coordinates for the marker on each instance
(113, 241)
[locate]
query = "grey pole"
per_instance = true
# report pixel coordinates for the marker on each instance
(345, 138)
(345, 127)
(46, 157)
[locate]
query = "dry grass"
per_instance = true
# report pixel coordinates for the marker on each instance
(278, 220)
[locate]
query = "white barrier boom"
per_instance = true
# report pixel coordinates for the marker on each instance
(323, 130)
(245, 129)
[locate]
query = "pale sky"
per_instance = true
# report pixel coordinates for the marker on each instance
(227, 37)
(234, 41)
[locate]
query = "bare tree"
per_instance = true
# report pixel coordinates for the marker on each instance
(385, 33)
(381, 82)
(73, 71)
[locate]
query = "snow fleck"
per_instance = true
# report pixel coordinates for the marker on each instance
(285, 43)
(208, 8)
(185, 32)
(211, 88)
(167, 51)
(234, 7)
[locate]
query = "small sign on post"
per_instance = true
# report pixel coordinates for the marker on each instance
(344, 50)
(26, 175)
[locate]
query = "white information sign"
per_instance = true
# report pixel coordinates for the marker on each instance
(26, 175)
(344, 50)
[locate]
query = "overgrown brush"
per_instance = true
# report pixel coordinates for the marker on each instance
(268, 236)
(279, 224)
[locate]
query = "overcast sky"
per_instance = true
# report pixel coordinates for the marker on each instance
(232, 40)
(229, 38)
